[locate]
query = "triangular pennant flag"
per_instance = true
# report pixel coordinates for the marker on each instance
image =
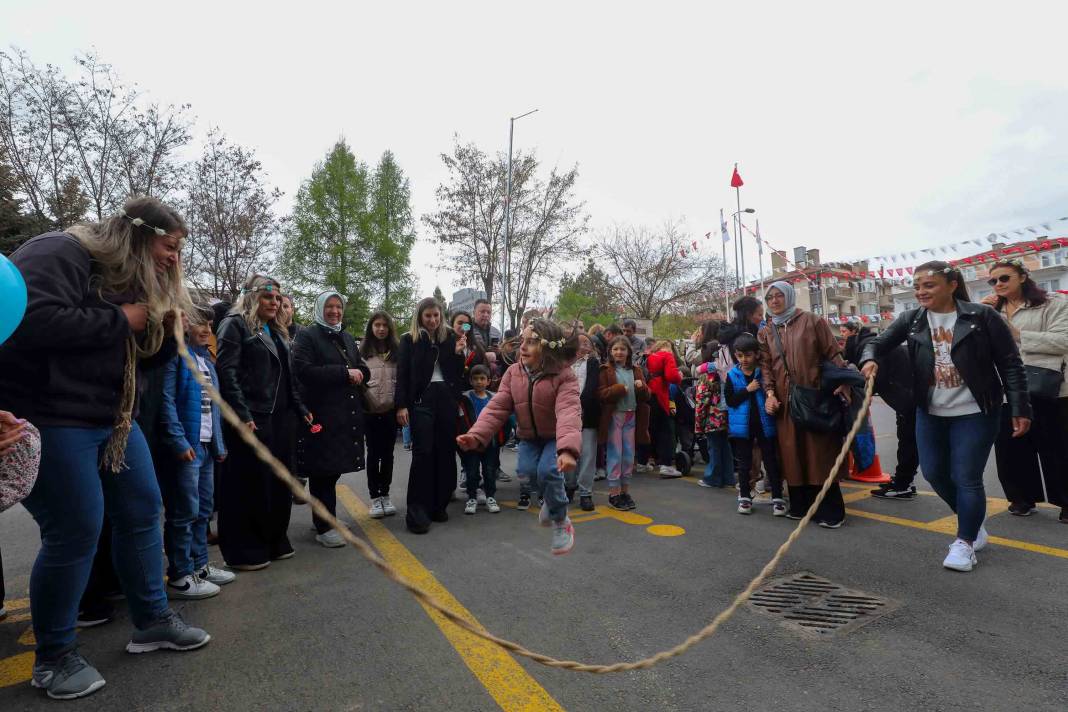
(736, 180)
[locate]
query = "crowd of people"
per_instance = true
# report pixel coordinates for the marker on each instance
(128, 437)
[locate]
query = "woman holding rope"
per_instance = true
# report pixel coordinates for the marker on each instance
(101, 298)
(256, 380)
(793, 348)
(965, 363)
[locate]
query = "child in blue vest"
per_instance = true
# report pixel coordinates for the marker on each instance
(748, 423)
(471, 406)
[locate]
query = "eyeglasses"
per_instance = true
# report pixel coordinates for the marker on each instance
(1001, 278)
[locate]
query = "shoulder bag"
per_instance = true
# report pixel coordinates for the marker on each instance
(811, 408)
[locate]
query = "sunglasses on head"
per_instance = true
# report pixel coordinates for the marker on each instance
(1000, 278)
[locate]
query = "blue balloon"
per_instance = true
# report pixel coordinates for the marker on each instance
(12, 298)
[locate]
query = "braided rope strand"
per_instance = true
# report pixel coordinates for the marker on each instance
(428, 599)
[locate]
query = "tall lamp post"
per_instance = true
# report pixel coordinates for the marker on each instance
(508, 221)
(738, 232)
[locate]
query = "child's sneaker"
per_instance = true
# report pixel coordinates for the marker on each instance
(667, 472)
(543, 515)
(631, 504)
(778, 507)
(471, 506)
(563, 537)
(601, 474)
(745, 505)
(388, 508)
(376, 508)
(524, 501)
(492, 506)
(481, 496)
(586, 502)
(616, 501)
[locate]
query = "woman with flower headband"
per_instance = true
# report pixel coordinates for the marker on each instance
(255, 378)
(101, 304)
(543, 392)
(1039, 325)
(965, 364)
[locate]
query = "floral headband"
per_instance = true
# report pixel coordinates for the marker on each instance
(1010, 262)
(945, 271)
(559, 343)
(138, 222)
(261, 288)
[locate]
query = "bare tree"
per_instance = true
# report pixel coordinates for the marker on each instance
(148, 150)
(657, 272)
(230, 211)
(545, 222)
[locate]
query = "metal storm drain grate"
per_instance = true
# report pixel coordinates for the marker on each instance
(818, 607)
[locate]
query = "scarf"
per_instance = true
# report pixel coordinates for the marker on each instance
(320, 306)
(789, 297)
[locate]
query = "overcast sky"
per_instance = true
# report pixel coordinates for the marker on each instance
(858, 130)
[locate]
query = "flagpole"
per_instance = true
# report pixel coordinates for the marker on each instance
(723, 242)
(741, 247)
(760, 255)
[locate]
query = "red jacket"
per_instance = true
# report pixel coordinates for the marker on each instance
(547, 407)
(663, 371)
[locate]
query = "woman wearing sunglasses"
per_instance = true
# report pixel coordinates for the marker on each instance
(1039, 325)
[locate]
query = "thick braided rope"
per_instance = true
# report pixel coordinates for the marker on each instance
(429, 600)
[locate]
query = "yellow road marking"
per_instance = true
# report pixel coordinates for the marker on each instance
(504, 679)
(17, 604)
(665, 530)
(16, 669)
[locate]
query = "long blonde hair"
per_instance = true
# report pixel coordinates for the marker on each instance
(248, 306)
(121, 249)
(441, 333)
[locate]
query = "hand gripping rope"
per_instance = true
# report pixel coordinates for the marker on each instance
(426, 598)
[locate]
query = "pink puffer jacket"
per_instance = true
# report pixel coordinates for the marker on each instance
(547, 407)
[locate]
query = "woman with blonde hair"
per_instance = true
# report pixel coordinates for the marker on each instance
(256, 379)
(101, 305)
(429, 385)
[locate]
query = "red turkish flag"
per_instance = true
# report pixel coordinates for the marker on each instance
(736, 180)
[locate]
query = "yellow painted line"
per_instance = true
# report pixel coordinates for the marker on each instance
(938, 527)
(856, 496)
(17, 604)
(16, 669)
(16, 618)
(505, 680)
(27, 637)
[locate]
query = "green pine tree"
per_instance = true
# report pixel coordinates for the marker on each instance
(392, 236)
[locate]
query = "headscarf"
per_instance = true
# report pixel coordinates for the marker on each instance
(320, 307)
(789, 297)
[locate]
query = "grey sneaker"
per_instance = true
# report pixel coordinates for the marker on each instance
(169, 632)
(387, 506)
(219, 577)
(563, 537)
(68, 678)
(376, 508)
(331, 539)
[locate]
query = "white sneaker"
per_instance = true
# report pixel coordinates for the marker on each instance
(778, 507)
(331, 539)
(643, 469)
(481, 496)
(387, 506)
(669, 472)
(376, 508)
(745, 505)
(471, 506)
(191, 587)
(492, 506)
(761, 486)
(219, 577)
(961, 556)
(601, 474)
(981, 539)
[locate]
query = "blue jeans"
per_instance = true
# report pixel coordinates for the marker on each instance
(68, 503)
(536, 469)
(953, 453)
(188, 495)
(719, 472)
(406, 435)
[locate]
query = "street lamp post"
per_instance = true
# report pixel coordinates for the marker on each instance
(505, 272)
(738, 234)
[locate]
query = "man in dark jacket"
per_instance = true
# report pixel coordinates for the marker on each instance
(893, 382)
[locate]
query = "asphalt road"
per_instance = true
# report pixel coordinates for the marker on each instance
(326, 631)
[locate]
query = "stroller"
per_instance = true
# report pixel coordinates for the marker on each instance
(683, 398)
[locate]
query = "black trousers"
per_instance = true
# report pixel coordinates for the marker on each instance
(1046, 443)
(381, 432)
(662, 433)
(743, 463)
(254, 505)
(832, 509)
(908, 457)
(432, 478)
(324, 488)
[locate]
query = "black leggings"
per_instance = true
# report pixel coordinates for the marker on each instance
(381, 431)
(325, 490)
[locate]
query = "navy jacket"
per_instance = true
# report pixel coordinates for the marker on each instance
(180, 414)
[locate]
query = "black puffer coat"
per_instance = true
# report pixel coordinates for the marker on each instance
(983, 351)
(252, 367)
(321, 363)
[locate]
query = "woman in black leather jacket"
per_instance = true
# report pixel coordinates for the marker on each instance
(964, 363)
(429, 383)
(255, 378)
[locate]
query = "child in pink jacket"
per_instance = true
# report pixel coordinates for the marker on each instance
(543, 392)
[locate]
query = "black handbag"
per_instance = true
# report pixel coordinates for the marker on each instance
(1044, 383)
(812, 408)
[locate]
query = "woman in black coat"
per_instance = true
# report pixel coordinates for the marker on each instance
(330, 371)
(429, 384)
(255, 379)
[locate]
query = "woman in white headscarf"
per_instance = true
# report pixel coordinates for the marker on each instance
(792, 349)
(330, 371)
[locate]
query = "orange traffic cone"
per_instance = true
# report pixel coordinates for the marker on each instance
(873, 474)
